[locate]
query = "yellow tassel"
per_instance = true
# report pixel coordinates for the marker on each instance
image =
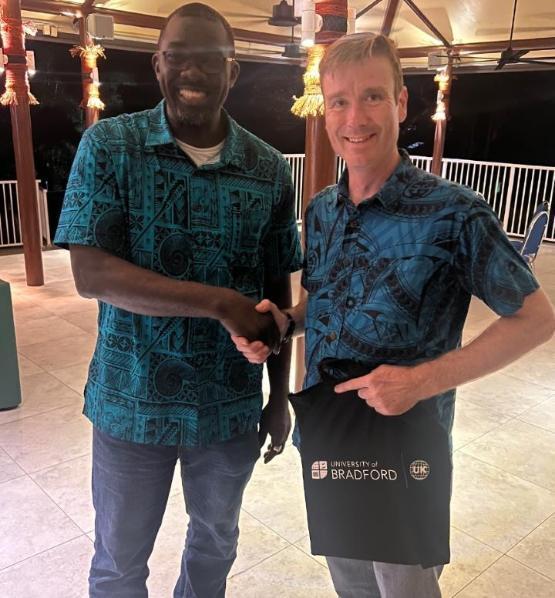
(94, 100)
(308, 105)
(96, 103)
(311, 103)
(9, 98)
(91, 51)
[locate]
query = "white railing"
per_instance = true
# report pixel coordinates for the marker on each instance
(512, 190)
(10, 222)
(296, 161)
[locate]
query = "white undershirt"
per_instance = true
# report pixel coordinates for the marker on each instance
(202, 155)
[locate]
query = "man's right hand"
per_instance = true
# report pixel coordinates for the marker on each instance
(243, 319)
(258, 351)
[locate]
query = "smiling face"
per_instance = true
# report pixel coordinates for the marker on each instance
(186, 66)
(362, 113)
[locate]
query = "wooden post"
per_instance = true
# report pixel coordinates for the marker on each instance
(444, 95)
(91, 114)
(14, 48)
(320, 170)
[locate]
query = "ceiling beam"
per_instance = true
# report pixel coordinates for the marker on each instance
(152, 22)
(389, 17)
(364, 10)
(428, 23)
(87, 7)
(133, 19)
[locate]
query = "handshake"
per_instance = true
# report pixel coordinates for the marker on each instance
(257, 329)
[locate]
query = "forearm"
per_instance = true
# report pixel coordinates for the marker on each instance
(278, 373)
(501, 343)
(298, 313)
(279, 292)
(108, 278)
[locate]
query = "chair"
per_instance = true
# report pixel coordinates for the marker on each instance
(529, 246)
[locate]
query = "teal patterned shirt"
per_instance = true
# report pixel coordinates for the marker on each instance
(389, 281)
(132, 192)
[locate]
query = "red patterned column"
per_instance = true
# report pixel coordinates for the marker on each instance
(17, 96)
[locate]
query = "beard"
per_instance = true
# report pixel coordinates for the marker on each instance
(193, 117)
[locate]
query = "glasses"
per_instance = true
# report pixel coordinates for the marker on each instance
(210, 63)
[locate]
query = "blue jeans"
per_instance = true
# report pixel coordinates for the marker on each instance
(369, 579)
(131, 484)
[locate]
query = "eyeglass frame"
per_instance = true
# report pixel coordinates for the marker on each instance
(225, 60)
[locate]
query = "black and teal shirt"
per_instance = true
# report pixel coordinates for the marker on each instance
(389, 281)
(132, 192)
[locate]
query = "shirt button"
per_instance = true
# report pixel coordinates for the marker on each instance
(331, 337)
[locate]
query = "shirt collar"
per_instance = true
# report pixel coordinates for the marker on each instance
(389, 195)
(159, 133)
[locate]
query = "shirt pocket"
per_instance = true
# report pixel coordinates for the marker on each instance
(405, 285)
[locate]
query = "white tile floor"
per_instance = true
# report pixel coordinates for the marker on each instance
(503, 536)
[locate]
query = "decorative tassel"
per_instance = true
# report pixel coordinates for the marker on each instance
(94, 100)
(17, 76)
(8, 98)
(13, 89)
(89, 55)
(92, 51)
(311, 103)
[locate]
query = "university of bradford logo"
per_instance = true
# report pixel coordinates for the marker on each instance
(319, 470)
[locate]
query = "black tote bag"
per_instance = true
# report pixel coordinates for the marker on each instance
(376, 487)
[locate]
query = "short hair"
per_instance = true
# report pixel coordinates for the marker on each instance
(358, 47)
(201, 11)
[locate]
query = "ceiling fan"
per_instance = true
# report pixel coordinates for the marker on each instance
(511, 56)
(283, 15)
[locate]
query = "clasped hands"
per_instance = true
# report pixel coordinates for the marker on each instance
(389, 389)
(262, 327)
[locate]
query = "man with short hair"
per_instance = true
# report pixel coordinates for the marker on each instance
(393, 255)
(178, 221)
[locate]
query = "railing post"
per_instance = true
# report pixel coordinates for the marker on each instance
(509, 199)
(42, 199)
(443, 168)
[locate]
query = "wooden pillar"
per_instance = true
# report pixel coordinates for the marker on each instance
(389, 17)
(91, 114)
(320, 170)
(444, 95)
(14, 48)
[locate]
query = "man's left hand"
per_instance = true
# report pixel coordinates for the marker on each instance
(275, 422)
(389, 389)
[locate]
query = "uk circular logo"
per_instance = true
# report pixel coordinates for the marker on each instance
(419, 469)
(319, 470)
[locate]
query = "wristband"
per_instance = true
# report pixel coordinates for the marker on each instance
(288, 333)
(290, 329)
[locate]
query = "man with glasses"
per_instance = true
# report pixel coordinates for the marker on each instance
(178, 222)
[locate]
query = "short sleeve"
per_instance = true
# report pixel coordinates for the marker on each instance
(282, 249)
(93, 213)
(307, 238)
(487, 264)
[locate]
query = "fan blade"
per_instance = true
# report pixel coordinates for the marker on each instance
(502, 30)
(244, 16)
(542, 61)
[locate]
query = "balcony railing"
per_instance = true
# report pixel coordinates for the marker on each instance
(512, 190)
(10, 221)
